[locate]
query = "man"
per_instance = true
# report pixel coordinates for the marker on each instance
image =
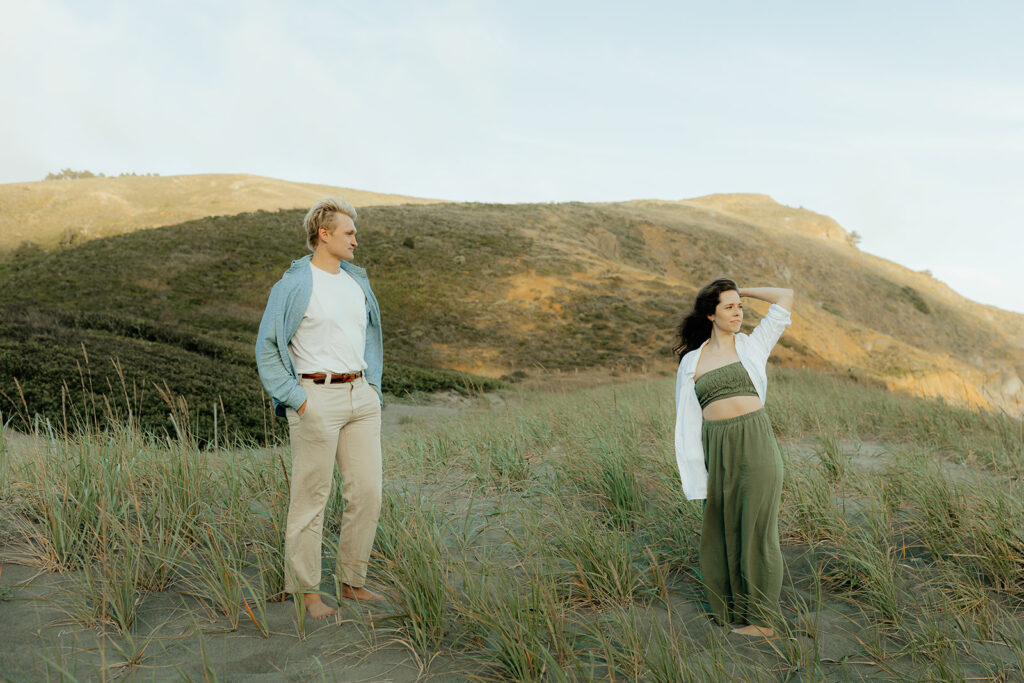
(320, 357)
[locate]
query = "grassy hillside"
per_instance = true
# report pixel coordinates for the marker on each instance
(50, 213)
(488, 289)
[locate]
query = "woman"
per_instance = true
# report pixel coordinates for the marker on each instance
(727, 453)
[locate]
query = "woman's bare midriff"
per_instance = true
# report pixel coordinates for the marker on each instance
(725, 408)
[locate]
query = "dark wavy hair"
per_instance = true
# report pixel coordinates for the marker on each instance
(695, 327)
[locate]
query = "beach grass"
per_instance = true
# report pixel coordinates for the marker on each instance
(547, 540)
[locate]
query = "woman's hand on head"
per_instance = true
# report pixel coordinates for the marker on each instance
(781, 296)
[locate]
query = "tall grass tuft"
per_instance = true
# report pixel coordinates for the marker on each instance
(865, 564)
(672, 527)
(160, 540)
(5, 458)
(517, 628)
(966, 522)
(188, 478)
(414, 569)
(214, 569)
(433, 453)
(110, 589)
(599, 565)
(833, 460)
(635, 646)
(618, 484)
(810, 512)
(995, 543)
(75, 487)
(501, 463)
(604, 464)
(670, 658)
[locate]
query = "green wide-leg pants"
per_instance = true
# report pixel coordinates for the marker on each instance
(740, 558)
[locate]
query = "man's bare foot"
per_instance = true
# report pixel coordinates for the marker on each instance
(360, 593)
(752, 630)
(317, 608)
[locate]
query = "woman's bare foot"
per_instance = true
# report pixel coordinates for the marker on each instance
(317, 608)
(752, 630)
(360, 593)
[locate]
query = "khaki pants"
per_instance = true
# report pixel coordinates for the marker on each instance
(341, 424)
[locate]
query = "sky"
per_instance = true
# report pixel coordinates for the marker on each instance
(902, 120)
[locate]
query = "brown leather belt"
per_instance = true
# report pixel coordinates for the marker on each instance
(321, 377)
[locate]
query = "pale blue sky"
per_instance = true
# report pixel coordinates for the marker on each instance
(904, 121)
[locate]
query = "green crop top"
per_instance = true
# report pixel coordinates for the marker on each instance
(727, 381)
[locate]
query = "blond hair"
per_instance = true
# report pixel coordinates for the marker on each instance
(322, 216)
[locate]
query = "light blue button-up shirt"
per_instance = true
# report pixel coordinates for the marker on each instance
(285, 307)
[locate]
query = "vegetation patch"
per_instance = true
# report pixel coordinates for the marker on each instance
(547, 540)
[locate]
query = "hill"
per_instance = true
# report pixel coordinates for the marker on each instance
(763, 211)
(63, 212)
(494, 290)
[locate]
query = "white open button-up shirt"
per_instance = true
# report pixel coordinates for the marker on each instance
(753, 351)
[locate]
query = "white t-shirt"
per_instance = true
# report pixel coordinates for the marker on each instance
(332, 334)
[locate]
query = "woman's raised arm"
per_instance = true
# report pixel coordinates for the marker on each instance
(773, 295)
